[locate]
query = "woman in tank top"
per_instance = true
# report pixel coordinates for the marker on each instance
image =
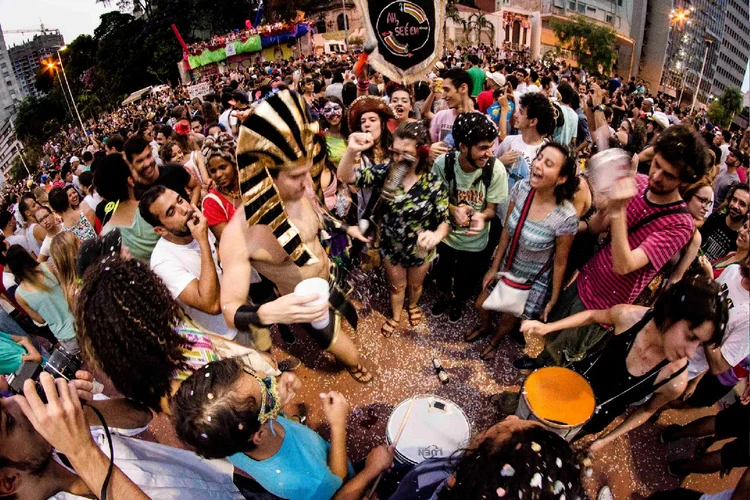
(648, 354)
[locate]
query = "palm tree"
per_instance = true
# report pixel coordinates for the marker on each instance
(478, 23)
(451, 12)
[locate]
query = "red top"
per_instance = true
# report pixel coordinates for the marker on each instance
(484, 100)
(217, 208)
(600, 287)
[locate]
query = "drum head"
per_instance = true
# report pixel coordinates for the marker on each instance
(436, 428)
(559, 396)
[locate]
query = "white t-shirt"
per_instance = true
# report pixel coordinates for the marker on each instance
(521, 168)
(736, 343)
(180, 265)
(167, 473)
(44, 249)
(93, 200)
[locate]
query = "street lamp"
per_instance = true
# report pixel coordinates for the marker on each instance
(75, 106)
(700, 79)
(52, 67)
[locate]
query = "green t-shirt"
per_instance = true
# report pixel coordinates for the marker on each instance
(469, 189)
(477, 77)
(10, 355)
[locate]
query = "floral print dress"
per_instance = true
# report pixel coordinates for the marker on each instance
(422, 208)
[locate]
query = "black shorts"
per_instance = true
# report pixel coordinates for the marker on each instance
(734, 422)
(708, 392)
(325, 337)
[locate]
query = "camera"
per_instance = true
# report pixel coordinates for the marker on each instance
(61, 364)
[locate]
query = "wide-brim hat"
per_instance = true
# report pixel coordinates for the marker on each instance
(368, 104)
(279, 134)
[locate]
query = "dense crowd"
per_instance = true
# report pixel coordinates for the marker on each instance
(162, 246)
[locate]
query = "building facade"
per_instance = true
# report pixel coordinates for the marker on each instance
(10, 97)
(27, 58)
(735, 48)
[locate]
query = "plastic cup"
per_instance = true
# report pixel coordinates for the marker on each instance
(319, 287)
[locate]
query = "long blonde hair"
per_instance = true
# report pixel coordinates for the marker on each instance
(64, 252)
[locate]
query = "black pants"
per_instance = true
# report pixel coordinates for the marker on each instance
(459, 272)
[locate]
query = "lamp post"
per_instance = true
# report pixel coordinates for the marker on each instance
(346, 26)
(52, 67)
(75, 106)
(700, 78)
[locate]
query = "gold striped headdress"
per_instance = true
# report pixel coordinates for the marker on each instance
(280, 134)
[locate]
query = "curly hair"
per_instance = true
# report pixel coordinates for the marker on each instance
(165, 152)
(223, 146)
(126, 320)
(685, 150)
(538, 106)
(208, 415)
(418, 133)
(481, 472)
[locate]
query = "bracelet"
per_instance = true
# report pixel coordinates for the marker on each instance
(245, 316)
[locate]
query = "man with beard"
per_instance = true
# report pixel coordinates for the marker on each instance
(185, 258)
(278, 232)
(728, 175)
(48, 451)
(146, 173)
(719, 233)
(476, 184)
(648, 223)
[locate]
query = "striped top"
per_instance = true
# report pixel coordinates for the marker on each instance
(600, 287)
(537, 244)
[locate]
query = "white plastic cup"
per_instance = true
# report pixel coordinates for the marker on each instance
(319, 287)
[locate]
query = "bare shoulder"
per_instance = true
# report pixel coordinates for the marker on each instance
(627, 315)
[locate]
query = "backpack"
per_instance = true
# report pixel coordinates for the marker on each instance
(450, 177)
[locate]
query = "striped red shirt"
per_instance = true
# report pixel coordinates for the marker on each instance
(600, 287)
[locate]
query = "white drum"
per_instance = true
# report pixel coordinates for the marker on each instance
(436, 428)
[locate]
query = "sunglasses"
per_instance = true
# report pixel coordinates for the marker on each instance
(332, 110)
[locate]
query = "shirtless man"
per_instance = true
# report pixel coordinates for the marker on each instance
(262, 249)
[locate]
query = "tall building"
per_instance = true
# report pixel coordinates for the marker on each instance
(10, 96)
(735, 48)
(27, 58)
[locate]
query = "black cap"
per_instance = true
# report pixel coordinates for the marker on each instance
(103, 248)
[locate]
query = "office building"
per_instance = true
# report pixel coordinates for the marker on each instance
(27, 58)
(10, 96)
(735, 48)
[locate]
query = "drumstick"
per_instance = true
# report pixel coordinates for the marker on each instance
(395, 442)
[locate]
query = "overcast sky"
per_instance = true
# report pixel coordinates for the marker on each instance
(71, 17)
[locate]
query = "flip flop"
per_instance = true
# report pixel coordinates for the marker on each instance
(361, 374)
(415, 315)
(475, 334)
(389, 327)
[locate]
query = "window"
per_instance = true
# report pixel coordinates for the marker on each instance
(571, 6)
(342, 21)
(619, 2)
(609, 19)
(582, 8)
(591, 9)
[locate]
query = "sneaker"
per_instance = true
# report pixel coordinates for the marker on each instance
(286, 334)
(526, 363)
(455, 313)
(440, 308)
(676, 468)
(605, 494)
(289, 364)
(517, 337)
(667, 435)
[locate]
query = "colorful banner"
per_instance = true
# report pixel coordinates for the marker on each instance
(408, 35)
(252, 44)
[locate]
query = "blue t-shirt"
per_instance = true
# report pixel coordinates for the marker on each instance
(299, 470)
(494, 113)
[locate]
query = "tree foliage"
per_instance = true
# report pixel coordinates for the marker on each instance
(592, 44)
(722, 110)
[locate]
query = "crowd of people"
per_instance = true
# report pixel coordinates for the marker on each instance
(161, 247)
